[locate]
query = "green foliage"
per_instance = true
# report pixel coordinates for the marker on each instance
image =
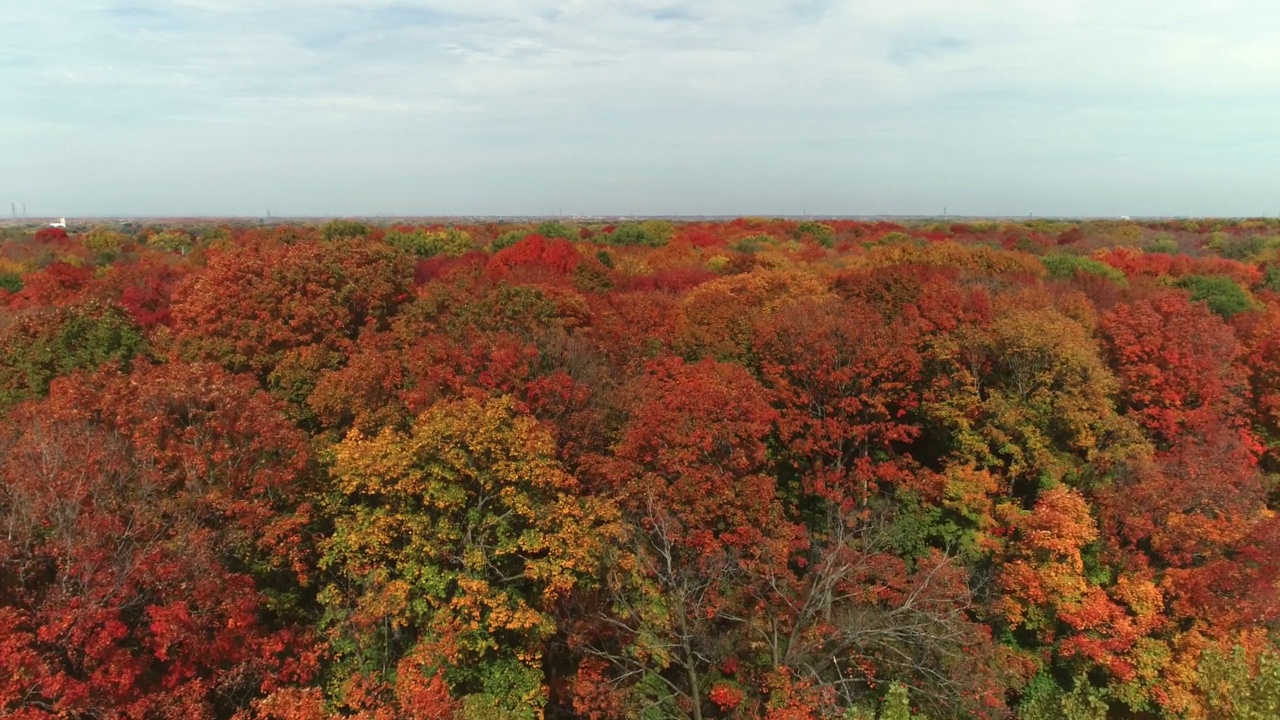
(507, 239)
(172, 240)
(753, 244)
(508, 308)
(213, 236)
(898, 238)
(11, 281)
(414, 242)
(1271, 277)
(452, 242)
(820, 233)
(628, 234)
(339, 229)
(43, 344)
(588, 277)
(1221, 294)
(1163, 243)
(555, 229)
(653, 233)
(509, 690)
(659, 231)
(103, 239)
(1245, 248)
(1216, 241)
(423, 243)
(1065, 267)
(896, 705)
(1047, 226)
(1236, 688)
(1044, 699)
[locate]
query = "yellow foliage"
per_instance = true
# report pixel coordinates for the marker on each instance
(974, 258)
(466, 526)
(1030, 395)
(718, 316)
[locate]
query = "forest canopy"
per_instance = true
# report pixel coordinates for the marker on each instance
(762, 468)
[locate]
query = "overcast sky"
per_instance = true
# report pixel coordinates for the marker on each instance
(312, 107)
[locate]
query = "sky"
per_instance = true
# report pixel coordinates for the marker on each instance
(663, 107)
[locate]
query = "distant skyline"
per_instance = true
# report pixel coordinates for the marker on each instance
(613, 107)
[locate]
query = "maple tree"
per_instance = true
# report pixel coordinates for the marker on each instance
(154, 540)
(846, 382)
(258, 308)
(1174, 360)
(702, 518)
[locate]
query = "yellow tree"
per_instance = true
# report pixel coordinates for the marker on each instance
(451, 543)
(1029, 397)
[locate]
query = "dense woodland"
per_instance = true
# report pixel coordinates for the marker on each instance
(753, 469)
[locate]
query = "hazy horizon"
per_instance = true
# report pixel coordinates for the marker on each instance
(498, 108)
(28, 219)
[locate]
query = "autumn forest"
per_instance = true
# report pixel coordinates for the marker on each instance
(756, 469)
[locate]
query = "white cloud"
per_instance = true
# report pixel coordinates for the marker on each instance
(696, 106)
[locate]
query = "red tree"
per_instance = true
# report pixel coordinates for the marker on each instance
(147, 517)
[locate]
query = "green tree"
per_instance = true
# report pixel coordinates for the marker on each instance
(11, 281)
(429, 243)
(1066, 267)
(1221, 294)
(339, 229)
(39, 345)
(1044, 699)
(554, 229)
(820, 233)
(654, 233)
(173, 240)
(1234, 687)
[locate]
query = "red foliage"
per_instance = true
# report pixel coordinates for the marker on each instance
(1188, 516)
(594, 697)
(1174, 359)
(800, 461)
(443, 267)
(145, 288)
(59, 283)
(698, 236)
(251, 307)
(673, 280)
(694, 451)
(534, 258)
(1135, 263)
(845, 382)
(1259, 334)
(50, 234)
(134, 504)
(422, 692)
